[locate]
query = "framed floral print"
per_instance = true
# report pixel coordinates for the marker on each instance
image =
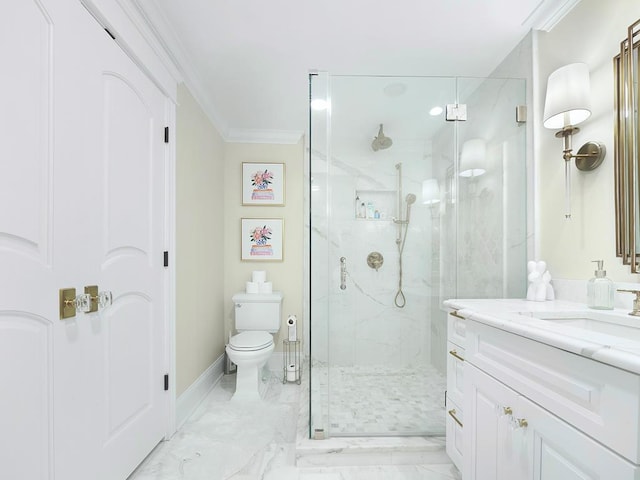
(263, 184)
(261, 239)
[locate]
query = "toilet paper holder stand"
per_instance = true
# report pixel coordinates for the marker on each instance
(291, 356)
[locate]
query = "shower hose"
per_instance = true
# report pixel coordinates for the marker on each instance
(400, 301)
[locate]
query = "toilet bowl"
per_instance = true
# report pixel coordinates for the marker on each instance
(249, 350)
(257, 318)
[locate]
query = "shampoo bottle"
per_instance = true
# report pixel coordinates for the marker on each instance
(600, 289)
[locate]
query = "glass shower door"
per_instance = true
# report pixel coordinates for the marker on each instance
(373, 256)
(388, 211)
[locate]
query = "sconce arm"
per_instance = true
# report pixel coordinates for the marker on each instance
(589, 156)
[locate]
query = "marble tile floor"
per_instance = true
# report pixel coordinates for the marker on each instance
(268, 440)
(397, 400)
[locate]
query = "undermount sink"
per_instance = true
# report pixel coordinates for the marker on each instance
(616, 325)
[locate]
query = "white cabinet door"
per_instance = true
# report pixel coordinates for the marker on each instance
(455, 433)
(560, 452)
(490, 452)
(526, 442)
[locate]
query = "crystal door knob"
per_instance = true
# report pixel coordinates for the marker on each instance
(105, 299)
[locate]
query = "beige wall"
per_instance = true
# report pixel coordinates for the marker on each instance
(200, 242)
(287, 276)
(590, 33)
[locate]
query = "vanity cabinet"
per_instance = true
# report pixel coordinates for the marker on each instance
(511, 438)
(535, 412)
(455, 384)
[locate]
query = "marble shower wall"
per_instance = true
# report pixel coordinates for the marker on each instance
(364, 325)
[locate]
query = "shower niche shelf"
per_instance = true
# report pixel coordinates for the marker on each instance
(368, 202)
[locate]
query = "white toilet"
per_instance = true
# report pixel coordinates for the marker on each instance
(257, 318)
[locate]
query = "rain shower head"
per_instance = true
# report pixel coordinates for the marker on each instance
(381, 141)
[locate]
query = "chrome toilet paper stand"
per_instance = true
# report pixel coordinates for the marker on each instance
(291, 356)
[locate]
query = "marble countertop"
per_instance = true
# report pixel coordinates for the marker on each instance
(619, 348)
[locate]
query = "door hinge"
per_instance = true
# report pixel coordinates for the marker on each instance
(166, 259)
(166, 382)
(445, 399)
(456, 112)
(521, 114)
(166, 134)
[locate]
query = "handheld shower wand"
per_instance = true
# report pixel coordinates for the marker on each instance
(410, 199)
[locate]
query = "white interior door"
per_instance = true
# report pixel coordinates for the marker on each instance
(82, 187)
(130, 261)
(28, 276)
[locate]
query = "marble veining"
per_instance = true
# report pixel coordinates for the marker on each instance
(224, 440)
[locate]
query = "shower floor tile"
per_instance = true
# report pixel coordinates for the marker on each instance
(381, 400)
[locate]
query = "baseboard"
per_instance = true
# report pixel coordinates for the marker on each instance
(198, 390)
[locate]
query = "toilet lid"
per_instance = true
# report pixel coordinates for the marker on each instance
(251, 340)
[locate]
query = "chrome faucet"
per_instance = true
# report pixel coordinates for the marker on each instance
(636, 302)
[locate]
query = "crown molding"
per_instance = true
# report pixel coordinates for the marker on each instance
(547, 15)
(130, 32)
(157, 22)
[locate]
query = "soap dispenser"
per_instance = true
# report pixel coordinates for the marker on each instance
(600, 289)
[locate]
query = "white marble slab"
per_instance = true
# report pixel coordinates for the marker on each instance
(268, 440)
(517, 316)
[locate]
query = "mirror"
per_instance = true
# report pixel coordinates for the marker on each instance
(627, 147)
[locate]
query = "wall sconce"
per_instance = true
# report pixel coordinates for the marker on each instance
(431, 195)
(567, 104)
(472, 158)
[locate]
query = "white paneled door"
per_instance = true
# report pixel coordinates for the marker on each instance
(82, 178)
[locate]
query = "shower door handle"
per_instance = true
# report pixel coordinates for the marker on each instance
(343, 273)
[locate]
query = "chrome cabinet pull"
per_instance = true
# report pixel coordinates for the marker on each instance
(457, 315)
(343, 273)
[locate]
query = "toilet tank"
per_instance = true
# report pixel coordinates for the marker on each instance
(258, 311)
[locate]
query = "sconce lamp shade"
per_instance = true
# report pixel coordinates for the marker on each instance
(430, 191)
(568, 96)
(472, 158)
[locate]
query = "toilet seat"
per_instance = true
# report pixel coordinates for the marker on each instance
(251, 341)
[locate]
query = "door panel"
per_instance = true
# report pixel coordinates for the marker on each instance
(26, 375)
(25, 129)
(27, 282)
(128, 163)
(131, 231)
(84, 206)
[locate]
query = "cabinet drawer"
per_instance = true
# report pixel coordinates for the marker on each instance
(455, 422)
(456, 327)
(455, 372)
(598, 399)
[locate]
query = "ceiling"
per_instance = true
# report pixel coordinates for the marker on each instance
(247, 61)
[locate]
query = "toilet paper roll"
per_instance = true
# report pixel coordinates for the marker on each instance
(291, 373)
(259, 276)
(265, 287)
(292, 322)
(252, 287)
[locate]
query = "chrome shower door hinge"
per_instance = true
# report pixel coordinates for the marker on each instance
(456, 112)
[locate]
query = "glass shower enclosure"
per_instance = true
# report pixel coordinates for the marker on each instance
(407, 208)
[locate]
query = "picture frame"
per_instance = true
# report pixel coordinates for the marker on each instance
(263, 184)
(261, 239)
